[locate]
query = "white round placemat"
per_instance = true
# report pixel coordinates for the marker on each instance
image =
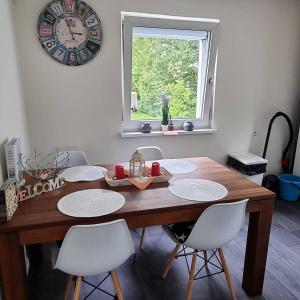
(178, 166)
(90, 203)
(83, 173)
(198, 190)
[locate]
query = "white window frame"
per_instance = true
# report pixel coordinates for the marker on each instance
(132, 19)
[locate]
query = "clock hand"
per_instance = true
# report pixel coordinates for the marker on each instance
(70, 30)
(78, 33)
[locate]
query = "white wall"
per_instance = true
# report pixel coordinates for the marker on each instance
(12, 109)
(80, 107)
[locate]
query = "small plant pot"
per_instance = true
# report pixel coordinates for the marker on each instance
(164, 127)
(171, 127)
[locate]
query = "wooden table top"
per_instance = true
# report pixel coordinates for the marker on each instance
(42, 211)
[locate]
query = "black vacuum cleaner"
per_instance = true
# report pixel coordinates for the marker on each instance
(271, 181)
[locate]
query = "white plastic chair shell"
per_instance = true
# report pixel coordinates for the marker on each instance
(217, 226)
(76, 158)
(151, 152)
(89, 250)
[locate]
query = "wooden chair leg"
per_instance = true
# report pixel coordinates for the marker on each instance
(227, 274)
(205, 260)
(191, 278)
(170, 261)
(117, 285)
(68, 287)
(77, 288)
(142, 239)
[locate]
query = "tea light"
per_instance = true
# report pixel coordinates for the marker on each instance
(119, 172)
(155, 170)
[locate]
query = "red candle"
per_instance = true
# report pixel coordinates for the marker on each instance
(119, 172)
(155, 170)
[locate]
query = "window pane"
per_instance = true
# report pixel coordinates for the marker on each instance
(165, 61)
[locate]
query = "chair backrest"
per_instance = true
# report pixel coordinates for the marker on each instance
(217, 226)
(151, 153)
(93, 249)
(76, 158)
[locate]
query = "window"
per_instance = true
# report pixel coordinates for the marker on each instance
(168, 55)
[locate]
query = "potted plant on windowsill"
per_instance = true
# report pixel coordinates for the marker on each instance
(165, 112)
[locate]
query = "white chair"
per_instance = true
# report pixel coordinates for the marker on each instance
(89, 250)
(76, 158)
(216, 227)
(149, 153)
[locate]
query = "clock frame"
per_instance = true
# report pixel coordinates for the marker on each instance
(70, 31)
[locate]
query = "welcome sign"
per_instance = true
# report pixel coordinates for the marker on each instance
(30, 191)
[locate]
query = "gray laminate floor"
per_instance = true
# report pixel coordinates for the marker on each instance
(142, 281)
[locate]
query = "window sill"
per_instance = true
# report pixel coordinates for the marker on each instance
(171, 133)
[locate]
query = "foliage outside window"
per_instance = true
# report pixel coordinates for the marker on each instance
(164, 66)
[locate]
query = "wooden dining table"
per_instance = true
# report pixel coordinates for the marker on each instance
(38, 220)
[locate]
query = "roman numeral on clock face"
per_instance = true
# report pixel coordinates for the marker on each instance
(57, 8)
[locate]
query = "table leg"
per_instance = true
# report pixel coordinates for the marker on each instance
(12, 267)
(257, 248)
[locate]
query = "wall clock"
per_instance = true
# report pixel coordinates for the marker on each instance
(70, 31)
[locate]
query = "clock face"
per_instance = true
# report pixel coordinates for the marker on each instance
(70, 31)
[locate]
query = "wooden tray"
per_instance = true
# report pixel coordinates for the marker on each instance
(109, 177)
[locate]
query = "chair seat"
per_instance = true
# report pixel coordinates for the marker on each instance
(179, 232)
